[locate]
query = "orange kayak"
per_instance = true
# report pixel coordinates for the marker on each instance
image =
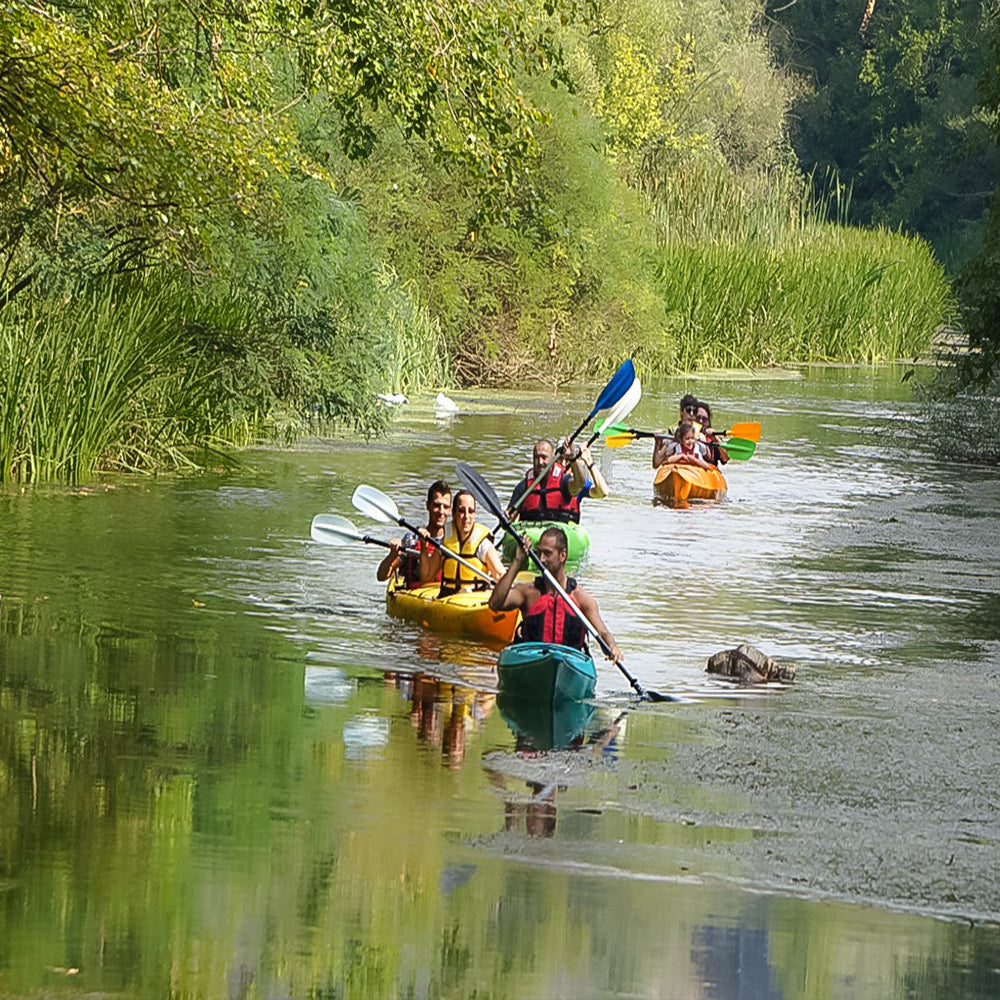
(465, 613)
(689, 482)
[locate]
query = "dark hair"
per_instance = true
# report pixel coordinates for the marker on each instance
(682, 429)
(689, 402)
(701, 404)
(436, 488)
(460, 494)
(558, 536)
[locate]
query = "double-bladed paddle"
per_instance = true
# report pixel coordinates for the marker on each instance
(484, 493)
(378, 506)
(749, 429)
(739, 448)
(331, 529)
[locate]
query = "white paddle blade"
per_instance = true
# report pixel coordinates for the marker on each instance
(623, 407)
(375, 504)
(329, 529)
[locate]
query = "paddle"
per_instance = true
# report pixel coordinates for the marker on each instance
(622, 392)
(738, 448)
(330, 529)
(375, 504)
(483, 492)
(750, 430)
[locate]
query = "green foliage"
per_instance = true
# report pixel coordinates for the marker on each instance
(845, 295)
(95, 380)
(895, 112)
(679, 83)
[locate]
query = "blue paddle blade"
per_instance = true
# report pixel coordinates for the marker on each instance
(620, 383)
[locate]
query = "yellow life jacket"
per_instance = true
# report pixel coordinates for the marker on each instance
(455, 576)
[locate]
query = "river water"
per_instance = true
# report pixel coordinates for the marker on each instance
(225, 772)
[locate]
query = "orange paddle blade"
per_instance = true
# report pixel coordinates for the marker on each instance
(749, 430)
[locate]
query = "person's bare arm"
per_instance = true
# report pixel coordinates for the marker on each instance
(661, 442)
(388, 565)
(493, 562)
(507, 594)
(599, 486)
(589, 607)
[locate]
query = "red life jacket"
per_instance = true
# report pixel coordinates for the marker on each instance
(547, 501)
(549, 620)
(409, 566)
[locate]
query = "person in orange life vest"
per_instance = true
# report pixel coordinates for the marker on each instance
(555, 497)
(467, 539)
(544, 615)
(717, 455)
(407, 564)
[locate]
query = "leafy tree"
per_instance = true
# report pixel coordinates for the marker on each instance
(893, 110)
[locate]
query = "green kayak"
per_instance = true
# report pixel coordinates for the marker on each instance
(577, 539)
(545, 673)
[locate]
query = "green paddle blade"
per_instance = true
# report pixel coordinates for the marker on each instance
(601, 427)
(739, 448)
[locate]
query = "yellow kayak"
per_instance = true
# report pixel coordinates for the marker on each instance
(466, 613)
(689, 482)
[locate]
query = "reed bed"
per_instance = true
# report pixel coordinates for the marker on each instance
(92, 381)
(850, 296)
(767, 273)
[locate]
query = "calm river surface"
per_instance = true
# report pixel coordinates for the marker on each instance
(225, 772)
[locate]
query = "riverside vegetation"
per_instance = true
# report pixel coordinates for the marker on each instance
(223, 224)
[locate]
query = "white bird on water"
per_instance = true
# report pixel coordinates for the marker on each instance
(443, 406)
(392, 398)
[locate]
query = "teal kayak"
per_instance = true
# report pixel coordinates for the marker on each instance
(545, 673)
(577, 539)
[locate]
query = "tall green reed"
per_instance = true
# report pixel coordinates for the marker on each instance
(95, 380)
(761, 269)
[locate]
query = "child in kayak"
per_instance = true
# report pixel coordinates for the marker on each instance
(684, 447)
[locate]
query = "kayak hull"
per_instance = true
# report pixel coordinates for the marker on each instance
(545, 674)
(577, 538)
(689, 482)
(465, 613)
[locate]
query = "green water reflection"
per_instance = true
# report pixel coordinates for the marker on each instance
(224, 772)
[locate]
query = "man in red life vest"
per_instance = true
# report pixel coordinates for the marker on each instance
(544, 615)
(556, 497)
(408, 564)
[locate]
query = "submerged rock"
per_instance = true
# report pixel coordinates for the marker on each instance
(748, 665)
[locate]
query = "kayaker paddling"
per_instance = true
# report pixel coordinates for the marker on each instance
(554, 496)
(408, 565)
(544, 614)
(467, 539)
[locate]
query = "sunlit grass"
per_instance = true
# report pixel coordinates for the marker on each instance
(93, 381)
(761, 276)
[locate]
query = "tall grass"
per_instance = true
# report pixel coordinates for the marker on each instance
(847, 295)
(413, 346)
(94, 381)
(763, 271)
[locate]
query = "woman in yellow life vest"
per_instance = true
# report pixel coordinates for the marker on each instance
(469, 540)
